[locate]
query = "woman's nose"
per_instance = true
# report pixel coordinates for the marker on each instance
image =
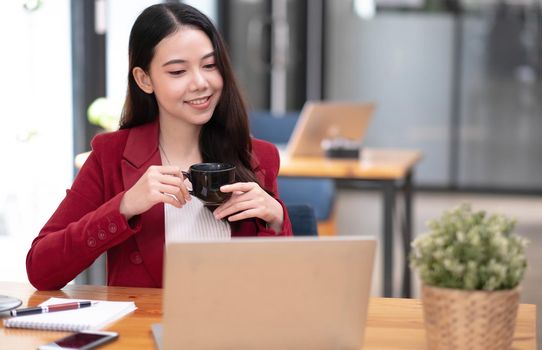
(199, 81)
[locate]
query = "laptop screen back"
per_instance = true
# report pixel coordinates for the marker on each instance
(328, 120)
(283, 293)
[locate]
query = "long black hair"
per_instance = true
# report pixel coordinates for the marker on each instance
(225, 137)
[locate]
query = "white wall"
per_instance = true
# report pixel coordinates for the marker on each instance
(120, 16)
(36, 124)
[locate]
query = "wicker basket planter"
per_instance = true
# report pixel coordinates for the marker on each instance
(469, 320)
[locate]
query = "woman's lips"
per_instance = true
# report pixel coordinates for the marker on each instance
(200, 103)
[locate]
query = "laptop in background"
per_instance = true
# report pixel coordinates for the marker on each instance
(328, 120)
(267, 293)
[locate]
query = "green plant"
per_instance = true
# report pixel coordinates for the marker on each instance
(470, 250)
(105, 113)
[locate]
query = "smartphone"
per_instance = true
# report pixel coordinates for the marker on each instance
(83, 340)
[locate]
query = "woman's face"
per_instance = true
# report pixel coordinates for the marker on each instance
(184, 76)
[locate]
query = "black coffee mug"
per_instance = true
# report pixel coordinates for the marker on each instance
(207, 178)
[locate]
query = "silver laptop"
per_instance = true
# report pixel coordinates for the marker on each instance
(328, 120)
(267, 293)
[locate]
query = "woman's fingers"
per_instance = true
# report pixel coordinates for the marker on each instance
(228, 207)
(171, 175)
(166, 198)
(249, 200)
(170, 179)
(182, 191)
(159, 184)
(241, 191)
(173, 191)
(170, 170)
(232, 207)
(239, 187)
(244, 215)
(167, 183)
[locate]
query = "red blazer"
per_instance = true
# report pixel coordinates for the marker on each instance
(88, 222)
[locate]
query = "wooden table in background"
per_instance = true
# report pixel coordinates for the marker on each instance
(391, 169)
(392, 323)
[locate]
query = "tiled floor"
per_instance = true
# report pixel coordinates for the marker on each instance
(359, 212)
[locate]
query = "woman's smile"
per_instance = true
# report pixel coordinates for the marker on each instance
(200, 103)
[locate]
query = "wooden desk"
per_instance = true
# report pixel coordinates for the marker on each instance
(392, 323)
(391, 169)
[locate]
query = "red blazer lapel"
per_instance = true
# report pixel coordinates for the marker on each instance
(140, 153)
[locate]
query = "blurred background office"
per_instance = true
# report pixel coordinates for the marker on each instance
(458, 80)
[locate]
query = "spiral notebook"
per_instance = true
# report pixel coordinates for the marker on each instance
(94, 317)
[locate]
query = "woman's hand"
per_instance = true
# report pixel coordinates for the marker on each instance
(159, 184)
(249, 200)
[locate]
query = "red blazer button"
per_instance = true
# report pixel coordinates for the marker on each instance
(136, 258)
(101, 235)
(112, 227)
(91, 242)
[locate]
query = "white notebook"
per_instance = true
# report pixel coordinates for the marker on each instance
(94, 317)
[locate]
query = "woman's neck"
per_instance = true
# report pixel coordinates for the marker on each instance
(179, 142)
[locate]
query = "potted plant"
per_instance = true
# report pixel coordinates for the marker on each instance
(470, 265)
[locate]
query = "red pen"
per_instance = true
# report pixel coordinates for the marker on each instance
(50, 308)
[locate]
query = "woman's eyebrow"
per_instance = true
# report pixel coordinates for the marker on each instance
(210, 54)
(174, 61)
(178, 60)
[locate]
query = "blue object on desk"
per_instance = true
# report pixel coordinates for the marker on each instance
(317, 193)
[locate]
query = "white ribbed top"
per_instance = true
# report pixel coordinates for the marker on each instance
(193, 222)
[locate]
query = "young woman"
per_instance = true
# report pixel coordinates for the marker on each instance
(182, 107)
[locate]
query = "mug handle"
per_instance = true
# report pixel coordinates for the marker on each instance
(187, 176)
